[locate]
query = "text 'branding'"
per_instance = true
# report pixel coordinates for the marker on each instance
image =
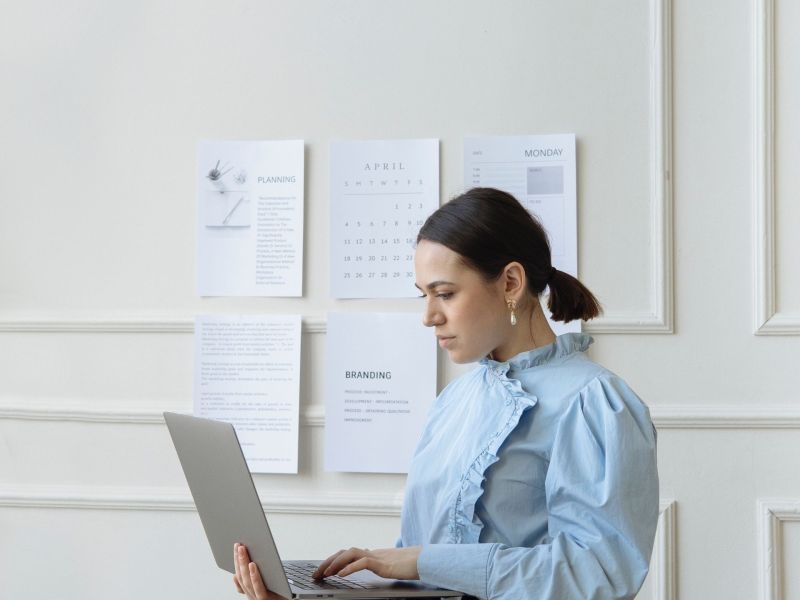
(367, 374)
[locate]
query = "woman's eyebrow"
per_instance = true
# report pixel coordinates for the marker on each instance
(434, 284)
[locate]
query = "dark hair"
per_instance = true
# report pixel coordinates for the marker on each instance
(489, 228)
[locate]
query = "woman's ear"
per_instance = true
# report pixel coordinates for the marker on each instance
(514, 280)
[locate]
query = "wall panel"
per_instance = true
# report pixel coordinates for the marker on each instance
(776, 94)
(685, 118)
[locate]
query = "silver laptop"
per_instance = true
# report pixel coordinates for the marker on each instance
(231, 511)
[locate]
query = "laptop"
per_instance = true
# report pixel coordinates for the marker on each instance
(230, 510)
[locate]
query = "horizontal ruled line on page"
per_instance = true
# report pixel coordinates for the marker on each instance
(515, 162)
(383, 194)
(505, 179)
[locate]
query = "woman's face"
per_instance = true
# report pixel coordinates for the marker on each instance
(469, 315)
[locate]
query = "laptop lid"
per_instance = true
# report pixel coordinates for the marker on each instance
(227, 501)
(230, 511)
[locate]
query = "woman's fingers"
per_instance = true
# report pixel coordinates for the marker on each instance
(257, 583)
(237, 578)
(323, 566)
(243, 560)
(360, 564)
(393, 563)
(248, 578)
(344, 558)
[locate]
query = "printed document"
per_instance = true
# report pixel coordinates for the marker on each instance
(539, 171)
(250, 218)
(381, 193)
(247, 372)
(380, 381)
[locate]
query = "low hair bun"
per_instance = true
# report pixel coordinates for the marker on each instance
(569, 299)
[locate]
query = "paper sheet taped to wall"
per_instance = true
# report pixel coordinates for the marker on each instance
(381, 193)
(250, 218)
(380, 381)
(247, 372)
(539, 171)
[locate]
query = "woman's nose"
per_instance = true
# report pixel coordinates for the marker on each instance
(431, 317)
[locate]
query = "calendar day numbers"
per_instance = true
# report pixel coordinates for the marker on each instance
(381, 194)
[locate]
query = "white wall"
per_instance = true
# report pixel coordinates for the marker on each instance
(686, 226)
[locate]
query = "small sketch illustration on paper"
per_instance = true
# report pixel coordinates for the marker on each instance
(226, 207)
(216, 173)
(227, 218)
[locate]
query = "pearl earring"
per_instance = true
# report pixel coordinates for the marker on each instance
(512, 306)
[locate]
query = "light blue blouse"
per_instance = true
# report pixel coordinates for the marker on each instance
(535, 478)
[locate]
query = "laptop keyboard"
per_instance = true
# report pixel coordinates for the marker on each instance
(300, 574)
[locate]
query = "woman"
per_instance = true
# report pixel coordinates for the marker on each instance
(535, 476)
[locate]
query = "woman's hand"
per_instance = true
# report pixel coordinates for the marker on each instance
(392, 563)
(248, 578)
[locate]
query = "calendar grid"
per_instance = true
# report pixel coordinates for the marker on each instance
(375, 217)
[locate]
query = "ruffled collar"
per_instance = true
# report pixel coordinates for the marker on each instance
(565, 344)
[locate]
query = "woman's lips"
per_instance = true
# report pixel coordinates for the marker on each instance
(444, 341)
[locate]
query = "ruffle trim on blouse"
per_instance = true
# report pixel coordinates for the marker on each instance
(465, 525)
(565, 344)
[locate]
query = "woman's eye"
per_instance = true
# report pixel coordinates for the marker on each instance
(445, 295)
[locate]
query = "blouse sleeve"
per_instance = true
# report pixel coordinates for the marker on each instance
(602, 499)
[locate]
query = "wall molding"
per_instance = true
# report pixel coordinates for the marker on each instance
(313, 415)
(712, 416)
(772, 513)
(663, 566)
(128, 412)
(767, 319)
(301, 503)
(178, 499)
(124, 324)
(659, 318)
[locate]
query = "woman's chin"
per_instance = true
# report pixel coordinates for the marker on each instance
(460, 358)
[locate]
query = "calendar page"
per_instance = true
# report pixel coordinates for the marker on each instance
(381, 193)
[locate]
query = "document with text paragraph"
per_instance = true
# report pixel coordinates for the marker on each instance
(247, 373)
(250, 218)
